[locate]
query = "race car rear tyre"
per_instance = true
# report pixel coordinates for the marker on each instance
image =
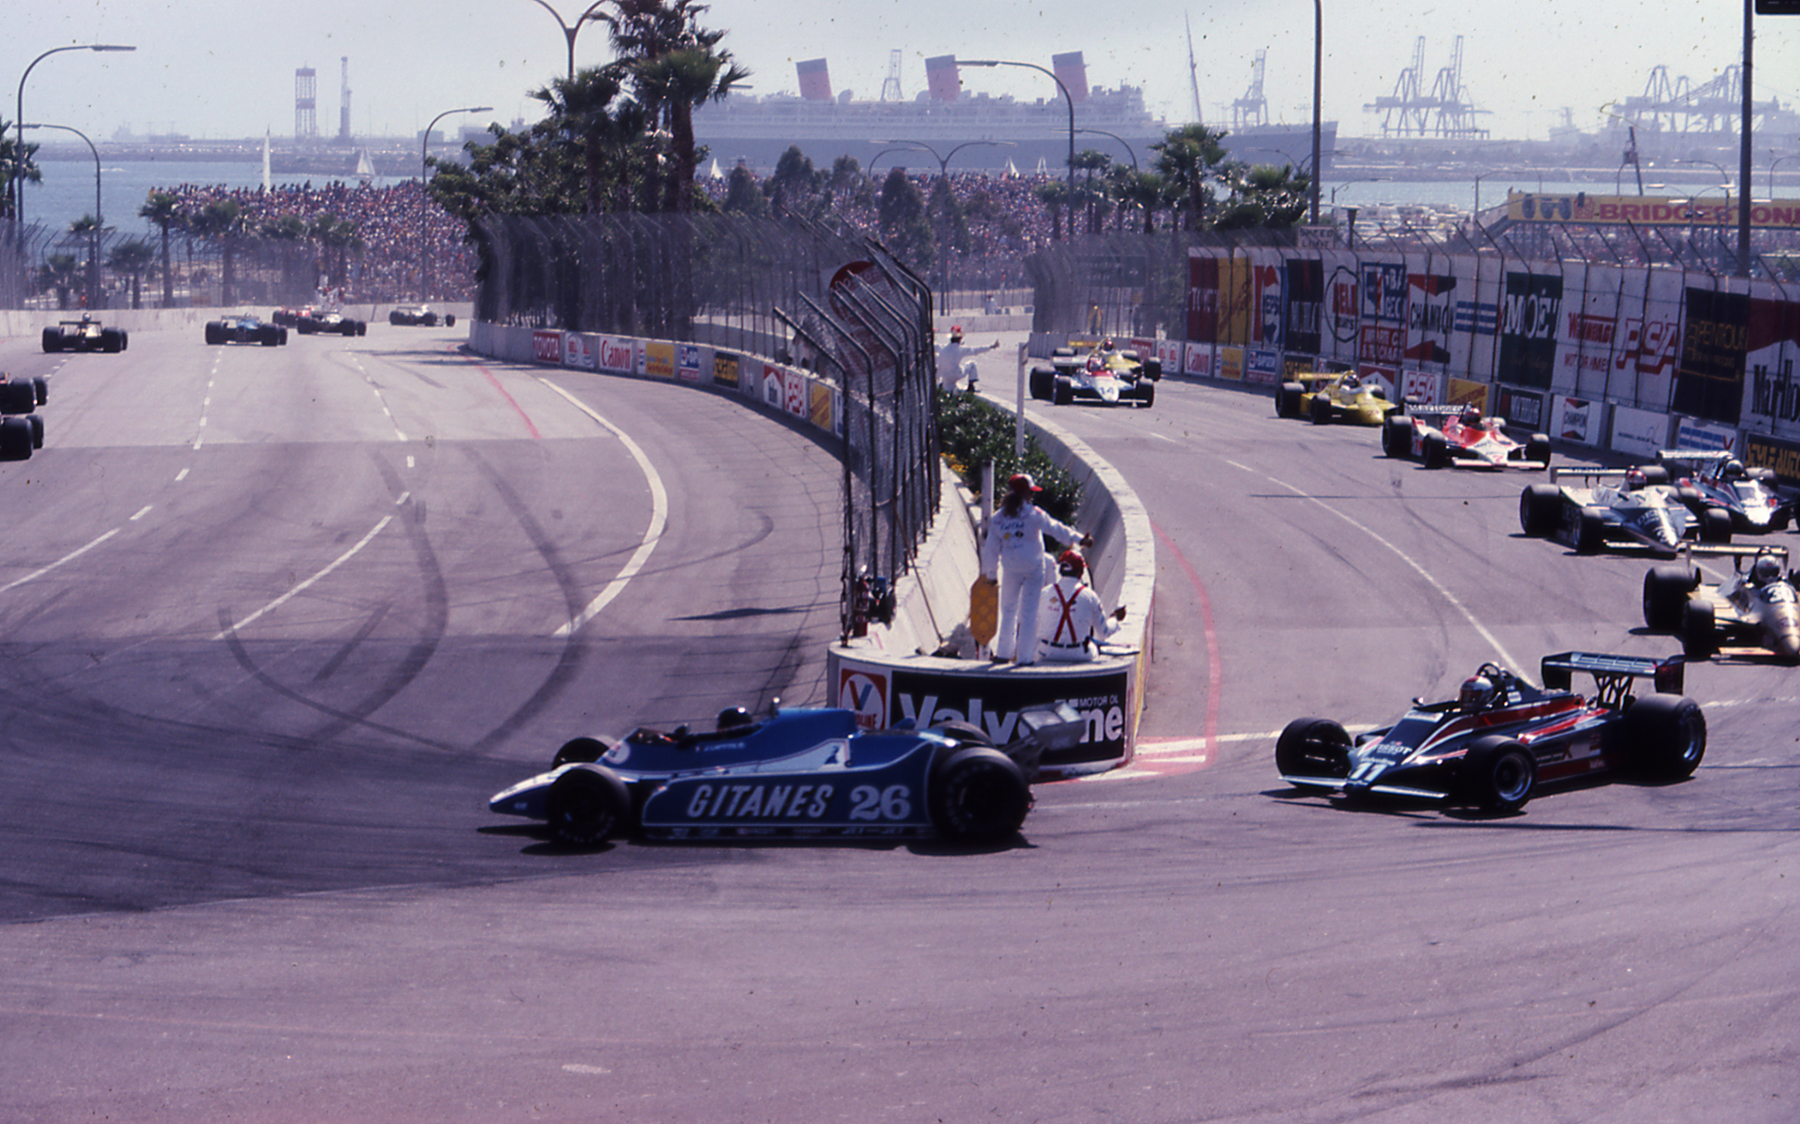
(17, 396)
(1656, 474)
(1698, 625)
(449, 319)
(1498, 775)
(15, 439)
(52, 340)
(1537, 448)
(965, 732)
(1666, 590)
(40, 389)
(1715, 526)
(1287, 399)
(1153, 369)
(37, 430)
(587, 806)
(1396, 437)
(1042, 384)
(1540, 506)
(394, 317)
(1665, 736)
(214, 333)
(1313, 747)
(574, 750)
(978, 795)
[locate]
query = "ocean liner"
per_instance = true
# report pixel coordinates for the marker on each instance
(987, 133)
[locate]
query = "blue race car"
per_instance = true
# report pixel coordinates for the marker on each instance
(1501, 737)
(244, 327)
(796, 773)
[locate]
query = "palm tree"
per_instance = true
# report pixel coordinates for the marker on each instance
(677, 67)
(88, 227)
(1055, 195)
(1189, 157)
(61, 272)
(132, 257)
(287, 231)
(1147, 191)
(223, 221)
(1265, 195)
(164, 212)
(12, 156)
(583, 108)
(339, 238)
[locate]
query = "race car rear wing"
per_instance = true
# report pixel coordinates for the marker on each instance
(1736, 552)
(1613, 674)
(1693, 456)
(1419, 410)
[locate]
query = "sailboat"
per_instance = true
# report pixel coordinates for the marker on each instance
(365, 169)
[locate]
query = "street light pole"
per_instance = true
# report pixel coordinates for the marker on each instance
(1066, 97)
(1318, 97)
(93, 298)
(570, 32)
(424, 171)
(18, 168)
(943, 174)
(1129, 151)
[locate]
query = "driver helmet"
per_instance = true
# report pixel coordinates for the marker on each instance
(1477, 692)
(1471, 414)
(1070, 563)
(1096, 364)
(1106, 344)
(1765, 570)
(1635, 479)
(732, 717)
(1734, 469)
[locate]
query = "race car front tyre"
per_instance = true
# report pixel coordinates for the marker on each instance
(1146, 393)
(1062, 393)
(1715, 526)
(1590, 534)
(578, 749)
(1698, 623)
(1666, 590)
(1540, 506)
(1287, 399)
(40, 389)
(1537, 448)
(978, 795)
(1396, 437)
(1321, 409)
(1665, 736)
(1313, 747)
(1437, 453)
(587, 806)
(1498, 775)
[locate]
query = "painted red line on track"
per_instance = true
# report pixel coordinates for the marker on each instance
(517, 409)
(1214, 674)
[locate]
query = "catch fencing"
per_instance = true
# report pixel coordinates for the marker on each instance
(800, 294)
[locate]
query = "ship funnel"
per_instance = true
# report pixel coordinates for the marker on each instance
(815, 79)
(1071, 71)
(942, 78)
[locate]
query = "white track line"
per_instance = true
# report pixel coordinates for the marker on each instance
(659, 518)
(303, 586)
(69, 557)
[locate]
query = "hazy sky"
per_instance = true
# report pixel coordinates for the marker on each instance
(216, 71)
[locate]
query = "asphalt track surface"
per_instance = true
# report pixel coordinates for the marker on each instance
(277, 621)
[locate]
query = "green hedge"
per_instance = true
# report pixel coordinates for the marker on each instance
(974, 431)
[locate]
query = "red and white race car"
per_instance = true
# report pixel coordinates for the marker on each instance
(1459, 435)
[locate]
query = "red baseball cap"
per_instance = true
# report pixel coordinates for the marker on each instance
(1022, 482)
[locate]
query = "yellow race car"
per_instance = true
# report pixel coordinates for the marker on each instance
(1328, 396)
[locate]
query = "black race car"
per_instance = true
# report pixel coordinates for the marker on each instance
(1104, 375)
(245, 328)
(419, 315)
(85, 334)
(21, 428)
(1501, 737)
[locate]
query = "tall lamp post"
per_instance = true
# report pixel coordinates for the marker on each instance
(424, 171)
(1779, 161)
(570, 31)
(18, 169)
(1129, 151)
(93, 298)
(943, 174)
(1318, 98)
(1066, 97)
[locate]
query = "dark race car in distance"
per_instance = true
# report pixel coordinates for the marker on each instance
(420, 316)
(1755, 612)
(85, 334)
(331, 324)
(1442, 436)
(1633, 507)
(797, 773)
(1717, 479)
(244, 327)
(1501, 738)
